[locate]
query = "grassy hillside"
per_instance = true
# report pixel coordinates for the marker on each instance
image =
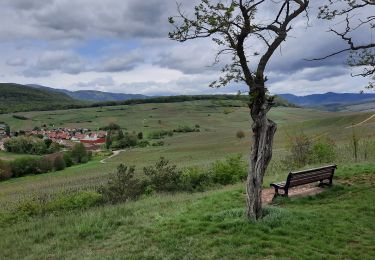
(14, 97)
(218, 120)
(336, 224)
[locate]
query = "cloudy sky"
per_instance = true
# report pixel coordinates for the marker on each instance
(123, 46)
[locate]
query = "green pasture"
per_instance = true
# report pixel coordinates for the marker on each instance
(336, 224)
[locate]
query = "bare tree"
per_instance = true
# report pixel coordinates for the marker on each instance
(234, 25)
(348, 12)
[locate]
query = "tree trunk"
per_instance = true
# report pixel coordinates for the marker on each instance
(263, 132)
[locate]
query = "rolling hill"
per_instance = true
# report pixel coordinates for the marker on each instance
(16, 98)
(92, 95)
(330, 101)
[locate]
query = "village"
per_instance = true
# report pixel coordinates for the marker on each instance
(67, 137)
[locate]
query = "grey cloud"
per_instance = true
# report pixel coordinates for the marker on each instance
(16, 62)
(98, 82)
(63, 61)
(121, 63)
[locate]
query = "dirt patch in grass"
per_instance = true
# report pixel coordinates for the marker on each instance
(305, 190)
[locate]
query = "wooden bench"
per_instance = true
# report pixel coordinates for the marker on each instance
(322, 174)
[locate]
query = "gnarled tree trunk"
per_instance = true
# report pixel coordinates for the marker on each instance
(263, 132)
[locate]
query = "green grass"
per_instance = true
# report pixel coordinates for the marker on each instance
(336, 224)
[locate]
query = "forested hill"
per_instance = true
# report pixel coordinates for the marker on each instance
(91, 95)
(20, 98)
(16, 98)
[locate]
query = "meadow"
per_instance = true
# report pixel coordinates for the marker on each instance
(200, 225)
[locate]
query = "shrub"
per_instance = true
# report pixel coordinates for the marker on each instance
(46, 164)
(122, 186)
(54, 147)
(194, 179)
(143, 143)
(5, 171)
(186, 129)
(59, 163)
(129, 140)
(300, 149)
(160, 134)
(25, 165)
(68, 159)
(232, 170)
(323, 152)
(240, 134)
(163, 176)
(159, 143)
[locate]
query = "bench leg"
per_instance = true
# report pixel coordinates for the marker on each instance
(276, 192)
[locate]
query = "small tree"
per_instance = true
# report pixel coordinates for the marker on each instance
(240, 134)
(79, 153)
(163, 176)
(108, 141)
(231, 25)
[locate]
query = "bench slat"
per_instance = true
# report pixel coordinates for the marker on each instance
(315, 169)
(309, 180)
(310, 174)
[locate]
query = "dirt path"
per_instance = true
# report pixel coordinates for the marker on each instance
(115, 153)
(267, 194)
(364, 121)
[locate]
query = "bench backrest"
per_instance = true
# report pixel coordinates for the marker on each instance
(309, 176)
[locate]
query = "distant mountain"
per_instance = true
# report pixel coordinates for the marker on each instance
(329, 101)
(92, 95)
(16, 97)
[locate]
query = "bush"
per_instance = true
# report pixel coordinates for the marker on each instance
(300, 149)
(160, 134)
(163, 176)
(5, 171)
(323, 152)
(129, 140)
(59, 163)
(68, 159)
(159, 143)
(186, 129)
(240, 134)
(232, 170)
(143, 143)
(46, 164)
(194, 179)
(122, 186)
(25, 165)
